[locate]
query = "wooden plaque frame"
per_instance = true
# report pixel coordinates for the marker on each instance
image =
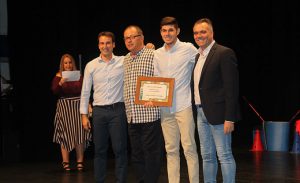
(157, 82)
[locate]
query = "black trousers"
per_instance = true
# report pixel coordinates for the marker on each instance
(146, 150)
(110, 122)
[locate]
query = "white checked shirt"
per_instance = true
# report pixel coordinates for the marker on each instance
(140, 65)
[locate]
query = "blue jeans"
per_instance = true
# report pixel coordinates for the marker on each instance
(110, 123)
(213, 141)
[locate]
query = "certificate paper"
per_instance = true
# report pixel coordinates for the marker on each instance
(158, 90)
(71, 75)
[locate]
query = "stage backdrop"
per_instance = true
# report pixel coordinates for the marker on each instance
(265, 36)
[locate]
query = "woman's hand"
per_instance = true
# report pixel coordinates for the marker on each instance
(62, 81)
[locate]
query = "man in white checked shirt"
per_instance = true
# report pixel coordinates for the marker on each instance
(144, 127)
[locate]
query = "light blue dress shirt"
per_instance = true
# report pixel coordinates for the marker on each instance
(107, 81)
(177, 63)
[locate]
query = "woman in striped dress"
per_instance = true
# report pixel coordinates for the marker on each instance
(68, 129)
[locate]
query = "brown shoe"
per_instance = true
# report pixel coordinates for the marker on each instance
(66, 166)
(80, 166)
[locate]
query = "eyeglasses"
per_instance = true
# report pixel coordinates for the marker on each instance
(131, 37)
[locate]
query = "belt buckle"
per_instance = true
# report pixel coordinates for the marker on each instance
(112, 106)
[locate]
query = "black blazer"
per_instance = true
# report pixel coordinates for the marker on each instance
(219, 85)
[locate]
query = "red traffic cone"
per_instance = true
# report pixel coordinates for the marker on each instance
(257, 144)
(298, 126)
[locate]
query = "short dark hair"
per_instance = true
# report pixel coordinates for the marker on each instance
(136, 27)
(108, 34)
(169, 21)
(205, 20)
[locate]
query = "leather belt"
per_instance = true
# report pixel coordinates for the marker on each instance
(111, 106)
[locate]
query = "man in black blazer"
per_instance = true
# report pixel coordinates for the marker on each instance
(215, 88)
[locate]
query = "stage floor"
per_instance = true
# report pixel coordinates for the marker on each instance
(252, 167)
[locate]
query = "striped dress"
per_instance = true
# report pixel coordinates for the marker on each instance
(68, 130)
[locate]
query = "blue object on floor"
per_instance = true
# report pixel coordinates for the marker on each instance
(277, 135)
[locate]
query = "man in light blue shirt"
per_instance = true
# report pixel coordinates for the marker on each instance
(105, 75)
(175, 59)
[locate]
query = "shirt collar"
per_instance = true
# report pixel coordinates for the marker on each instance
(174, 46)
(110, 61)
(207, 49)
(137, 54)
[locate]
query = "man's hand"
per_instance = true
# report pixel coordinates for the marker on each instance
(90, 110)
(228, 127)
(149, 104)
(86, 122)
(150, 46)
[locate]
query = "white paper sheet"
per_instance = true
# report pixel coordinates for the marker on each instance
(71, 75)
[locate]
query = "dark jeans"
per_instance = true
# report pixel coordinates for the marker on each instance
(110, 122)
(146, 150)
